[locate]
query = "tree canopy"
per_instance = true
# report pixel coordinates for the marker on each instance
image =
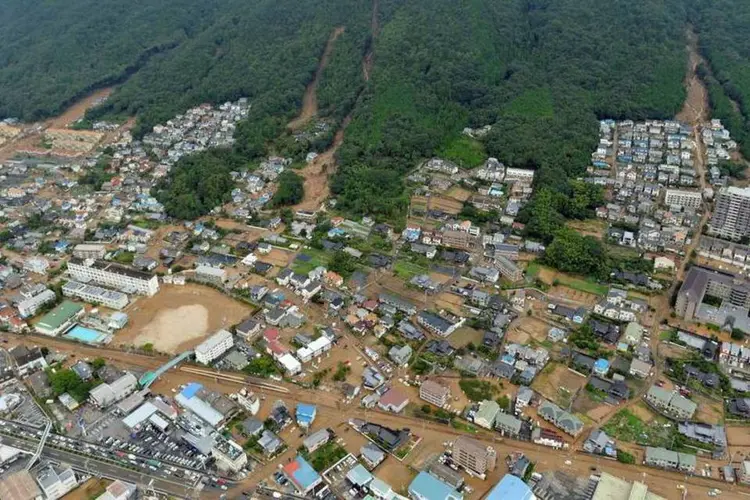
(541, 72)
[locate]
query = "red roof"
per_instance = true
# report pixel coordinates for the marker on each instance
(370, 305)
(271, 334)
(277, 348)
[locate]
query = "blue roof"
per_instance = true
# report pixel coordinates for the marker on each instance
(510, 487)
(429, 487)
(306, 413)
(601, 364)
(301, 473)
(359, 475)
(191, 389)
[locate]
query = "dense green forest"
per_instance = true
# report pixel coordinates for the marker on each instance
(723, 28)
(540, 71)
(52, 53)
(199, 183)
(291, 190)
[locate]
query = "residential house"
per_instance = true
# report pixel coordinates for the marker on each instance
(486, 414)
(671, 403)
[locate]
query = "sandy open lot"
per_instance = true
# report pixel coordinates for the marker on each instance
(738, 435)
(558, 383)
(449, 301)
(709, 411)
(179, 317)
(591, 227)
(464, 335)
(459, 193)
(277, 257)
(527, 328)
(567, 293)
(90, 489)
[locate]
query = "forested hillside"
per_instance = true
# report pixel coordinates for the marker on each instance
(52, 53)
(723, 28)
(541, 72)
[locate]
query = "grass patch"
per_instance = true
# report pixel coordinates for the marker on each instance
(407, 270)
(627, 426)
(582, 285)
(533, 103)
(464, 151)
(478, 390)
(533, 269)
(326, 456)
(317, 258)
(463, 426)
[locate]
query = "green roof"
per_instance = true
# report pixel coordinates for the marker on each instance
(59, 315)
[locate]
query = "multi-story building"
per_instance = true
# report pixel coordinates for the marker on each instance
(105, 395)
(731, 216)
(508, 269)
(105, 273)
(27, 359)
(438, 324)
(95, 294)
(211, 275)
(473, 455)
(29, 307)
(459, 239)
(560, 418)
(434, 393)
(214, 346)
(89, 251)
(610, 486)
(518, 175)
(228, 454)
(508, 424)
(56, 482)
(119, 490)
(683, 198)
(702, 281)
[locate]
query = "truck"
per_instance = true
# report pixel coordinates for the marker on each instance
(131, 457)
(155, 463)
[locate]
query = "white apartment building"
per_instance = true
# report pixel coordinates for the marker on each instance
(105, 273)
(314, 349)
(56, 482)
(104, 395)
(89, 251)
(214, 346)
(683, 198)
(518, 175)
(95, 295)
(229, 455)
(29, 307)
(434, 393)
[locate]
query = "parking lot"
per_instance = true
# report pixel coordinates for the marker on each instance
(111, 450)
(27, 411)
(149, 441)
(336, 477)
